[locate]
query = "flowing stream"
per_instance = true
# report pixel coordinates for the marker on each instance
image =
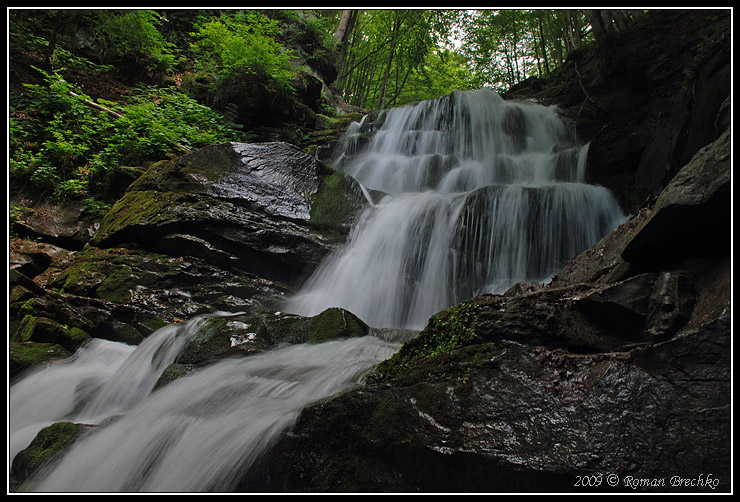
(469, 194)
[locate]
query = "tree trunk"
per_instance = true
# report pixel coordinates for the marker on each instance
(597, 24)
(543, 45)
(391, 54)
(343, 34)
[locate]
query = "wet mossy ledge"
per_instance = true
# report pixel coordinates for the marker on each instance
(48, 443)
(265, 207)
(240, 335)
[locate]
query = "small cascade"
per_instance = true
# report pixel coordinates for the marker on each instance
(199, 433)
(482, 193)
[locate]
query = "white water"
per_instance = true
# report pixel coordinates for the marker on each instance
(195, 434)
(483, 194)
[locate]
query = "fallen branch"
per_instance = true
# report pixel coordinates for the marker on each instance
(96, 105)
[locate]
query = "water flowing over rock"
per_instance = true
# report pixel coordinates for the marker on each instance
(613, 377)
(194, 433)
(231, 227)
(482, 194)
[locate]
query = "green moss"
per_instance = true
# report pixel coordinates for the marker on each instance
(19, 294)
(29, 307)
(43, 330)
(173, 372)
(335, 202)
(137, 207)
(111, 274)
(186, 173)
(48, 443)
(117, 286)
(335, 323)
(212, 341)
(24, 355)
(446, 331)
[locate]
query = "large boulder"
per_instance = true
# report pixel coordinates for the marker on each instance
(691, 218)
(265, 208)
(520, 407)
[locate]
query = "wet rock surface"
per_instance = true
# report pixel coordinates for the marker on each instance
(524, 418)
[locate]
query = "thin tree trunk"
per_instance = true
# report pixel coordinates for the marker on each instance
(343, 34)
(391, 54)
(543, 45)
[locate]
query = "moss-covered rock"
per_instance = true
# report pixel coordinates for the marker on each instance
(446, 331)
(48, 443)
(246, 334)
(173, 372)
(48, 331)
(335, 323)
(336, 203)
(287, 329)
(27, 355)
(213, 340)
(266, 208)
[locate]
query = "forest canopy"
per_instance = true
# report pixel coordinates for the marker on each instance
(184, 72)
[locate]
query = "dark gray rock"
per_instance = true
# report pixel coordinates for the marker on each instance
(517, 415)
(691, 217)
(264, 208)
(66, 224)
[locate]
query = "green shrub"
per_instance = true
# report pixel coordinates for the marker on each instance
(242, 46)
(62, 146)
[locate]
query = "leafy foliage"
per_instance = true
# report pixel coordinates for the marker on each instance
(61, 145)
(239, 45)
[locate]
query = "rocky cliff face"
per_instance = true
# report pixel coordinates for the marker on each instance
(647, 99)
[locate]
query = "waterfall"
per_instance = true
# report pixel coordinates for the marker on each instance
(196, 434)
(481, 193)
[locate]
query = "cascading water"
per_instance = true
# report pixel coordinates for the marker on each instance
(196, 434)
(481, 193)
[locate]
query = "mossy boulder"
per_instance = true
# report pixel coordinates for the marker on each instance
(265, 208)
(47, 444)
(246, 334)
(26, 355)
(43, 330)
(146, 290)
